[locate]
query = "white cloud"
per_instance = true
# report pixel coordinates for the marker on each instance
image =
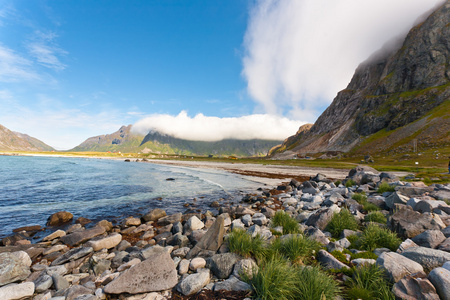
(44, 50)
(207, 128)
(15, 68)
(300, 53)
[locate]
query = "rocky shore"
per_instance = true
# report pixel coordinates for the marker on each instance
(181, 256)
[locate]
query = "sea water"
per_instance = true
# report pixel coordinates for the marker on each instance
(33, 188)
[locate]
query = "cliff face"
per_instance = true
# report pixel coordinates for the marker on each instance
(395, 88)
(15, 141)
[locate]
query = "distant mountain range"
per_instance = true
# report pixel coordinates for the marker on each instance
(397, 99)
(125, 140)
(16, 141)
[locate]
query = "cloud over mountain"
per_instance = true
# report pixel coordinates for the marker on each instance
(300, 53)
(205, 128)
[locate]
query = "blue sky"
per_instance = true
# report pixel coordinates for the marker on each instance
(74, 69)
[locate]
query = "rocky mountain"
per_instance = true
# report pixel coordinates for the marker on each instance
(400, 94)
(16, 141)
(125, 140)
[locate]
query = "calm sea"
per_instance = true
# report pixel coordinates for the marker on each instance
(32, 188)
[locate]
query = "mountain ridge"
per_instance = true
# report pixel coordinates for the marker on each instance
(16, 141)
(388, 95)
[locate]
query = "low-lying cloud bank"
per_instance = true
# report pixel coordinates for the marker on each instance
(300, 53)
(205, 128)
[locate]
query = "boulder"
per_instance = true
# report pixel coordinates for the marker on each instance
(14, 266)
(60, 282)
(157, 273)
(132, 221)
(440, 278)
(59, 218)
(78, 292)
(427, 257)
(394, 198)
(17, 291)
(429, 238)
(106, 242)
(415, 286)
(194, 223)
(408, 223)
(397, 266)
(222, 264)
(328, 261)
(245, 267)
(194, 282)
(170, 219)
(43, 283)
(322, 217)
(212, 240)
(197, 263)
(232, 284)
(72, 255)
(79, 237)
(154, 215)
(57, 234)
(445, 245)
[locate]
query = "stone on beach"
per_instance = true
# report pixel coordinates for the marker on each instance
(427, 257)
(397, 266)
(154, 215)
(415, 286)
(59, 218)
(14, 266)
(107, 242)
(73, 254)
(440, 278)
(212, 240)
(79, 237)
(429, 238)
(222, 264)
(194, 282)
(156, 273)
(57, 234)
(17, 291)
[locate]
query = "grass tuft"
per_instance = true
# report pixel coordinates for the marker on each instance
(350, 183)
(296, 248)
(242, 243)
(385, 187)
(340, 221)
(314, 284)
(289, 224)
(377, 217)
(374, 237)
(369, 282)
(361, 198)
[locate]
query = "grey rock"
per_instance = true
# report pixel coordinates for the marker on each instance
(415, 287)
(247, 220)
(101, 266)
(259, 219)
(212, 240)
(222, 265)
(17, 291)
(78, 291)
(59, 282)
(429, 238)
(156, 273)
(14, 266)
(245, 267)
(170, 219)
(152, 250)
(254, 230)
(79, 237)
(193, 223)
(427, 257)
(154, 215)
(43, 283)
(106, 242)
(445, 245)
(72, 255)
(440, 278)
(446, 231)
(237, 224)
(320, 218)
(194, 283)
(60, 270)
(317, 235)
(408, 223)
(396, 197)
(328, 261)
(232, 284)
(397, 266)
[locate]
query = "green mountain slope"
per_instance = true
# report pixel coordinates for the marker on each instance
(125, 140)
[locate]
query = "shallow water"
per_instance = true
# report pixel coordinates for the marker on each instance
(32, 188)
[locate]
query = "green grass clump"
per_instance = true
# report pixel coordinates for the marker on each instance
(359, 197)
(242, 243)
(279, 279)
(340, 256)
(374, 237)
(368, 206)
(376, 217)
(275, 279)
(369, 282)
(289, 224)
(350, 183)
(314, 284)
(296, 248)
(340, 221)
(385, 187)
(365, 254)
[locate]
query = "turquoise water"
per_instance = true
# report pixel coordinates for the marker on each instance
(32, 188)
